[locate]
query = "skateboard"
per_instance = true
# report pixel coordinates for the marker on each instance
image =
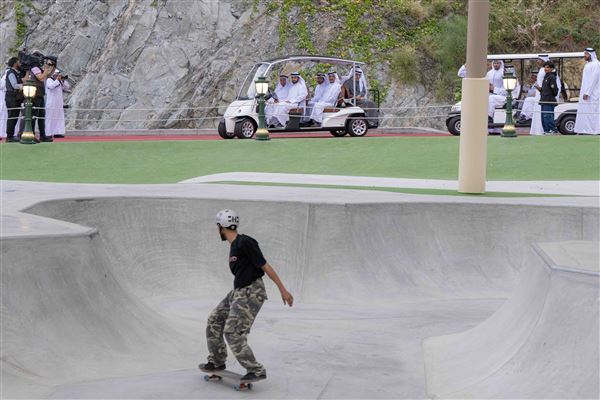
(232, 377)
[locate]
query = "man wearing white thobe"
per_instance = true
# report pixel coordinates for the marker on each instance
(328, 99)
(320, 89)
(496, 74)
(55, 114)
(296, 95)
(281, 94)
(529, 101)
(587, 121)
(496, 99)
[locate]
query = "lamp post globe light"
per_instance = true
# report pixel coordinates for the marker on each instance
(262, 87)
(29, 89)
(509, 81)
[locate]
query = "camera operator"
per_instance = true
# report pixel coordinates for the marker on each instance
(55, 114)
(39, 77)
(14, 97)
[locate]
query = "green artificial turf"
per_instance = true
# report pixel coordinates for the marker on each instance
(438, 192)
(522, 158)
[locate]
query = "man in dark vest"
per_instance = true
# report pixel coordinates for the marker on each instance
(39, 77)
(14, 97)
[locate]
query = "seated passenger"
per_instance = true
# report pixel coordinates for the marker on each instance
(359, 97)
(529, 101)
(319, 91)
(497, 99)
(278, 114)
(281, 93)
(328, 98)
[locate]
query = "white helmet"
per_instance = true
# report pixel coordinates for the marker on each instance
(228, 219)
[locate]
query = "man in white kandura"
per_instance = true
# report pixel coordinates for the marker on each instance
(281, 94)
(279, 114)
(328, 99)
(320, 89)
(529, 100)
(496, 74)
(55, 114)
(496, 98)
(588, 111)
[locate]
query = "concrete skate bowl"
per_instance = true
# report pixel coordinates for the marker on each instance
(120, 312)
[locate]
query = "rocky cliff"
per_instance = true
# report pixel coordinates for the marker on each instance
(166, 64)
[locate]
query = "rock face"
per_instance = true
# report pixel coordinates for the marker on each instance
(162, 64)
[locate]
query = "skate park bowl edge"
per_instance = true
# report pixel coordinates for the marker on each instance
(412, 292)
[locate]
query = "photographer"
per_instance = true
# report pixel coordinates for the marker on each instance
(14, 97)
(55, 114)
(39, 77)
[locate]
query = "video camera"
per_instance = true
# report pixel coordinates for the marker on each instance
(35, 59)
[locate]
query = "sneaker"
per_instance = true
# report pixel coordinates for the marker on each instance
(46, 139)
(252, 377)
(12, 140)
(59, 136)
(210, 367)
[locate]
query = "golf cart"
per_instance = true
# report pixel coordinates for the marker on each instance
(241, 117)
(568, 66)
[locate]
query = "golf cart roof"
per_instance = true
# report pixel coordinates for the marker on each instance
(318, 59)
(534, 56)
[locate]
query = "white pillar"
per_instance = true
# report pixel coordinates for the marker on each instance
(474, 116)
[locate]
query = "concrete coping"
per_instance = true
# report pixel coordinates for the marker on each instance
(571, 256)
(29, 226)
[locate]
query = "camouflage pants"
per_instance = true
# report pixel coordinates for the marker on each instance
(233, 318)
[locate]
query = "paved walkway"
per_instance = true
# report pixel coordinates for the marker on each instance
(576, 188)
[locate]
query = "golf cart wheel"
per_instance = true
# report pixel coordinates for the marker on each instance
(338, 132)
(454, 126)
(567, 125)
(223, 131)
(357, 127)
(245, 128)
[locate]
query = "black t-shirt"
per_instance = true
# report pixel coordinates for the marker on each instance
(245, 261)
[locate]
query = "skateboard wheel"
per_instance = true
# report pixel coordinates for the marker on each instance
(249, 386)
(206, 378)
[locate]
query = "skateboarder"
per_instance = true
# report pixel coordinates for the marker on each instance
(234, 316)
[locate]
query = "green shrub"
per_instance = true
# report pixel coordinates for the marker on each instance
(404, 65)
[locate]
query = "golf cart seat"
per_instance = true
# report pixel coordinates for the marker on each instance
(296, 115)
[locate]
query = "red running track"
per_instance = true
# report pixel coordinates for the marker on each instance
(129, 138)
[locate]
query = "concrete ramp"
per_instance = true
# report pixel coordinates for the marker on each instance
(328, 253)
(66, 317)
(114, 304)
(543, 343)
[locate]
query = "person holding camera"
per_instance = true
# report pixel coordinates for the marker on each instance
(55, 114)
(13, 97)
(39, 77)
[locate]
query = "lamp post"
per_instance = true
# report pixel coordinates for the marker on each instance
(29, 89)
(510, 82)
(262, 86)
